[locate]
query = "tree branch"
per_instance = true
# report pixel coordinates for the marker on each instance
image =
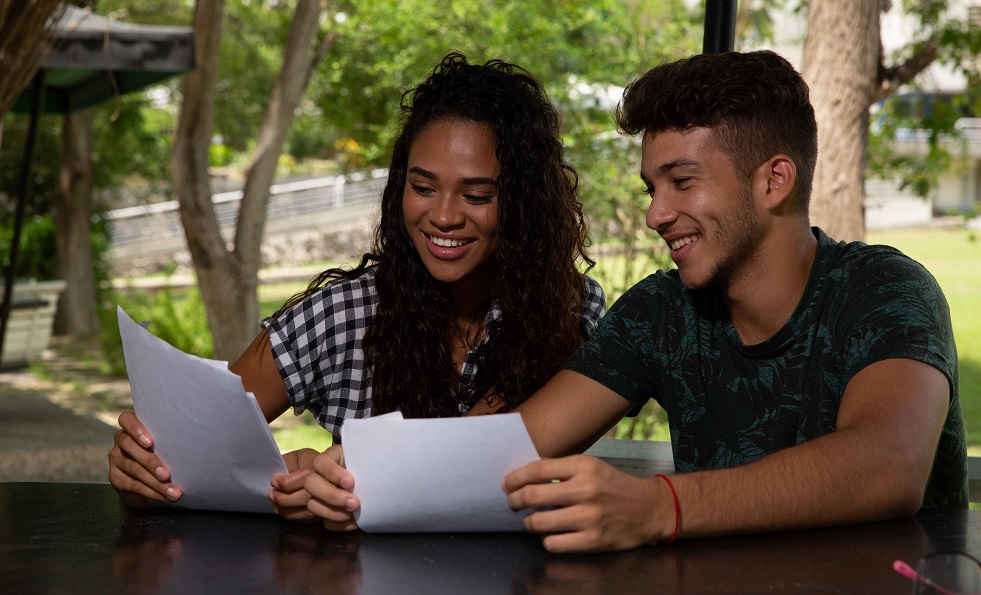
(890, 79)
(325, 46)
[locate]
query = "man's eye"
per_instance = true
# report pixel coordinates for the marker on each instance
(682, 182)
(648, 190)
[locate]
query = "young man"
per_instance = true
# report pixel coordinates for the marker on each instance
(807, 382)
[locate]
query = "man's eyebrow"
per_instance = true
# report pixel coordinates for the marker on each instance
(678, 164)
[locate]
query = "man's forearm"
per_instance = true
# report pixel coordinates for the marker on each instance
(817, 483)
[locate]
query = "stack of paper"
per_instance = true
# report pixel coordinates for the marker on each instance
(209, 432)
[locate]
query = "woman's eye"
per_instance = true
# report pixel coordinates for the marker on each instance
(478, 198)
(421, 190)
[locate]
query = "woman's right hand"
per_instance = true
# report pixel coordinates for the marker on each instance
(134, 471)
(329, 486)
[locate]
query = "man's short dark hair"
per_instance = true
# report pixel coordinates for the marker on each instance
(755, 103)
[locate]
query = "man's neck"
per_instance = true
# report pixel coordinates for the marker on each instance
(762, 298)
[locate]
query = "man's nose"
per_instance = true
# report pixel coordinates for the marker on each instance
(660, 213)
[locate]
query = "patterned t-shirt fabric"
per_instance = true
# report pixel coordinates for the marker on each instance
(317, 346)
(729, 404)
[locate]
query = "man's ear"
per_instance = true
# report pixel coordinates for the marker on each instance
(774, 181)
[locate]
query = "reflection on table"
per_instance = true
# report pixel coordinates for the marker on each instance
(77, 538)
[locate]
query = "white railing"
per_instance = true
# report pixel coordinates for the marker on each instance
(132, 225)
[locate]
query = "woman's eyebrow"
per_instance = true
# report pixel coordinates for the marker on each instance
(479, 181)
(475, 181)
(423, 172)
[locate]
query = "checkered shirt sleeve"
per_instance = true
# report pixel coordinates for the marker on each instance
(593, 306)
(317, 346)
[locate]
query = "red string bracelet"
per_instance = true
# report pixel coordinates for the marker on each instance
(677, 507)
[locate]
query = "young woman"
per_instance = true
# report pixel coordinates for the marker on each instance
(469, 301)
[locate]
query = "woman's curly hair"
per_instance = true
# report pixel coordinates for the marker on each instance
(541, 239)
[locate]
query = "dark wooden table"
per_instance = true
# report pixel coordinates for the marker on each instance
(76, 538)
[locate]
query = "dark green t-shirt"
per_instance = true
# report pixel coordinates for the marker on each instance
(729, 404)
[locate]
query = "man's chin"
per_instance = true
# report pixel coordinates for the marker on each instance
(696, 282)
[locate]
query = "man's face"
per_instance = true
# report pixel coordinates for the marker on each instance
(702, 208)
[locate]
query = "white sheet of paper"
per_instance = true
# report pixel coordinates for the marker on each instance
(209, 432)
(435, 475)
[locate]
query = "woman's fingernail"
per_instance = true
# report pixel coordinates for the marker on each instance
(144, 440)
(160, 473)
(347, 482)
(173, 493)
(349, 504)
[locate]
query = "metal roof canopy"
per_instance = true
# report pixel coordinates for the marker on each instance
(93, 59)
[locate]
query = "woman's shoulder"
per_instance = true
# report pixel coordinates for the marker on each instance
(355, 291)
(345, 297)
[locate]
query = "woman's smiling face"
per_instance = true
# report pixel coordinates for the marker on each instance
(450, 199)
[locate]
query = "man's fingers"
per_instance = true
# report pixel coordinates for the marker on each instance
(543, 471)
(562, 520)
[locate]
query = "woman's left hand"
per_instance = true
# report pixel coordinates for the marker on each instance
(288, 494)
(331, 488)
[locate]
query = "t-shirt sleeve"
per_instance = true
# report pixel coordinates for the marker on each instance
(896, 309)
(615, 354)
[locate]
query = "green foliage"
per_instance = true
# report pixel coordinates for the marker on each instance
(37, 248)
(304, 432)
(176, 315)
(651, 423)
(958, 44)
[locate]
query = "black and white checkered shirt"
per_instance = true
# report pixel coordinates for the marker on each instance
(317, 346)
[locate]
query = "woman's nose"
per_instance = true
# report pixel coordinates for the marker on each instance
(446, 213)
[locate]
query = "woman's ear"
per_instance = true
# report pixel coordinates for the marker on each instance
(774, 181)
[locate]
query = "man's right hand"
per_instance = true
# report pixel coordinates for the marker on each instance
(134, 471)
(330, 487)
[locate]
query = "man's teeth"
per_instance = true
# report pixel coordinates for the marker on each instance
(448, 242)
(677, 244)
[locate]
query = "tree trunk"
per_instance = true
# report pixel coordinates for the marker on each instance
(77, 314)
(841, 59)
(228, 276)
(217, 270)
(298, 61)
